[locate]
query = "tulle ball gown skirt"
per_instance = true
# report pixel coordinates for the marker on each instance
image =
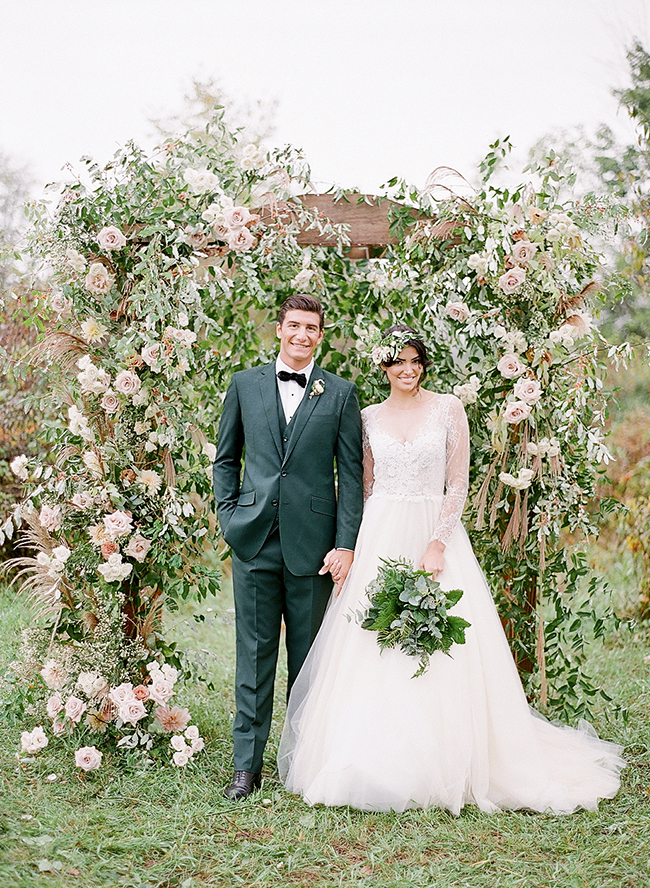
(361, 731)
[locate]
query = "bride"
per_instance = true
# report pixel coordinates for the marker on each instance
(360, 730)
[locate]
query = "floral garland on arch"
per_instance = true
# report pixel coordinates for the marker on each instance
(154, 267)
(507, 282)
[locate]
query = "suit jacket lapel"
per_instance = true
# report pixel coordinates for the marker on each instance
(303, 413)
(268, 389)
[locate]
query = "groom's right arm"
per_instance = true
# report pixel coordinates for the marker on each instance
(226, 470)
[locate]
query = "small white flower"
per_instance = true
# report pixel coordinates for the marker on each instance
(75, 260)
(18, 466)
(93, 331)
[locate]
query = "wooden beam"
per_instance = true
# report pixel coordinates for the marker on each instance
(366, 216)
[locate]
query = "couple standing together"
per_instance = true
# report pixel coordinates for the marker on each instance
(359, 729)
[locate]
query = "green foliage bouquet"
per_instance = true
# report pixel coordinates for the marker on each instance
(408, 609)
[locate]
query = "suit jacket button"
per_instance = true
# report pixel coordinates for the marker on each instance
(284, 474)
(274, 502)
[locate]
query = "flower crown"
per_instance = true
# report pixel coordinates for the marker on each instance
(381, 347)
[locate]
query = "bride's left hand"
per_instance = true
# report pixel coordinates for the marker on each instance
(434, 558)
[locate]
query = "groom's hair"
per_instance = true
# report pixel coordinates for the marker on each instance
(302, 302)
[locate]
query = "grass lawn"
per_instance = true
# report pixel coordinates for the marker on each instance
(168, 827)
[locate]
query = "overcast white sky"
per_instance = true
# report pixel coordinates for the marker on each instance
(369, 88)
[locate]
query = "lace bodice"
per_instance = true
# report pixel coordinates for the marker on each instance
(419, 452)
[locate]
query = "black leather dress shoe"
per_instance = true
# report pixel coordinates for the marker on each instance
(242, 786)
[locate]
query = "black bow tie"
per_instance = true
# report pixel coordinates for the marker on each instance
(300, 378)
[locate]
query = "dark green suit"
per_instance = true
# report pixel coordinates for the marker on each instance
(280, 520)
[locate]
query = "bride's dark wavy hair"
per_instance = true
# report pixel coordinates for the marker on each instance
(414, 341)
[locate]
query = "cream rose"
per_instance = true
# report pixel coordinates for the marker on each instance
(75, 260)
(182, 757)
(98, 280)
(195, 237)
(511, 280)
(127, 382)
(237, 217)
(111, 238)
(113, 569)
(510, 367)
(150, 353)
(88, 758)
(138, 547)
(200, 181)
(54, 706)
(516, 412)
(240, 240)
(122, 693)
(457, 311)
(523, 252)
(160, 690)
(528, 390)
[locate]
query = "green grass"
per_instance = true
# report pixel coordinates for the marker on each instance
(166, 827)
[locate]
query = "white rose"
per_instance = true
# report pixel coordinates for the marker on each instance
(200, 181)
(92, 684)
(457, 311)
(240, 240)
(516, 411)
(532, 449)
(528, 390)
(169, 673)
(93, 379)
(113, 569)
(110, 402)
(302, 279)
(141, 398)
(74, 708)
(88, 758)
(192, 732)
(478, 262)
(181, 758)
(61, 553)
(18, 466)
(127, 382)
(554, 448)
(98, 280)
(117, 524)
(515, 341)
(138, 547)
(511, 280)
(178, 743)
(75, 260)
(111, 238)
(32, 742)
(510, 367)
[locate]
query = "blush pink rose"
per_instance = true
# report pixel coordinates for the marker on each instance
(117, 524)
(237, 217)
(88, 758)
(516, 412)
(523, 252)
(54, 706)
(131, 711)
(74, 708)
(122, 693)
(457, 311)
(510, 366)
(511, 280)
(160, 689)
(138, 547)
(110, 402)
(111, 238)
(127, 382)
(50, 518)
(528, 390)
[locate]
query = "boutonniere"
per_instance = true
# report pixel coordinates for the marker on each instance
(317, 388)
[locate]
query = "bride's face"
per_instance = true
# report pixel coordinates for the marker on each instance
(405, 372)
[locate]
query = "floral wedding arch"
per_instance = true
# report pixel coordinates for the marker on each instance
(164, 271)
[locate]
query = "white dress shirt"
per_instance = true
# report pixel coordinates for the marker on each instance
(291, 393)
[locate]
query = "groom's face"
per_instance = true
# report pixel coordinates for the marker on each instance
(299, 335)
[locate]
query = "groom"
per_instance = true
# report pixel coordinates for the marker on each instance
(291, 424)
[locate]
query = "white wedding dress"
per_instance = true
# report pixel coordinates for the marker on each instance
(360, 730)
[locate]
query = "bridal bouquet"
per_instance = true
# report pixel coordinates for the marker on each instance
(408, 609)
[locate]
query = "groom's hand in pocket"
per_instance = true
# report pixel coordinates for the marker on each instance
(337, 562)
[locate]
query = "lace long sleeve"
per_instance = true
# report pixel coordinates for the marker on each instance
(457, 472)
(368, 463)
